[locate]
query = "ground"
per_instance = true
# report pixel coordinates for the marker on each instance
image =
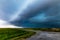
(29, 34)
(14, 34)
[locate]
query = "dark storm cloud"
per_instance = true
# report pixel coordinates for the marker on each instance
(33, 9)
(50, 14)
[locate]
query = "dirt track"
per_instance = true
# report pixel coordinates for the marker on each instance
(45, 36)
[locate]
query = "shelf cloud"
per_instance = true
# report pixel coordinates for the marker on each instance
(35, 11)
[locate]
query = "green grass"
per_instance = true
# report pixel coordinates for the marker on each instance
(14, 34)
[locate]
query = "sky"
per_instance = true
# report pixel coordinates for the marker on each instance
(5, 24)
(7, 9)
(39, 11)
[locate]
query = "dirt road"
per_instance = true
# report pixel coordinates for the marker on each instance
(45, 36)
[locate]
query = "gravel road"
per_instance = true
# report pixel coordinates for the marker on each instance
(45, 36)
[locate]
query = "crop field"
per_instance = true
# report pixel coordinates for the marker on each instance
(14, 34)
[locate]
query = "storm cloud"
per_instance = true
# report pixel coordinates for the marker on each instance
(31, 13)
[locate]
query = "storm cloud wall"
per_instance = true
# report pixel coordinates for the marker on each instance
(36, 11)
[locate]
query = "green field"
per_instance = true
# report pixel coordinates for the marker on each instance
(14, 34)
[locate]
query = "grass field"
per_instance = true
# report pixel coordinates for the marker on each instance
(14, 34)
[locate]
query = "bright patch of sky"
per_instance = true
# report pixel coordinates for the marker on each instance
(5, 24)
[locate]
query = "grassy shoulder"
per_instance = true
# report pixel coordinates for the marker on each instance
(14, 34)
(45, 29)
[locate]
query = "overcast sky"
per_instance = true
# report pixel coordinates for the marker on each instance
(11, 9)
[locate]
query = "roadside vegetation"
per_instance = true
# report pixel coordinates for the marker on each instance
(45, 29)
(14, 34)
